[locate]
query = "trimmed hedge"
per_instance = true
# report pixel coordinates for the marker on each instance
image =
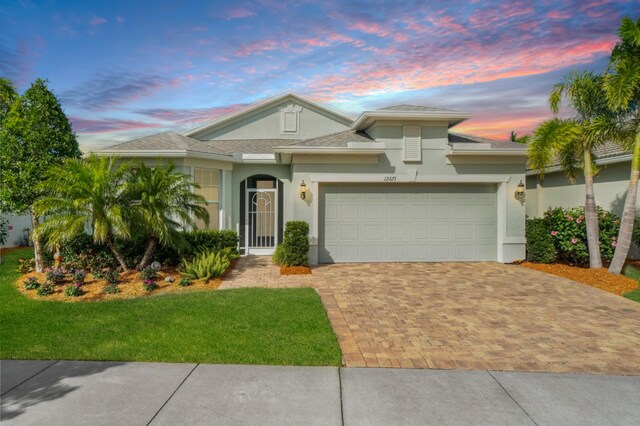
(540, 248)
(83, 253)
(294, 250)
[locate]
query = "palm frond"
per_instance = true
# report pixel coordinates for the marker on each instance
(549, 140)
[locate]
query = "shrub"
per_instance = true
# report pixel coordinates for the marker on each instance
(149, 285)
(540, 248)
(569, 233)
(44, 290)
(55, 276)
(111, 289)
(4, 230)
(209, 264)
(82, 252)
(111, 276)
(149, 273)
(296, 243)
(184, 282)
(279, 255)
(211, 240)
(79, 276)
(73, 290)
(26, 265)
(31, 283)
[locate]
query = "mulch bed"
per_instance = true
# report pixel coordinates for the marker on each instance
(130, 286)
(295, 270)
(599, 278)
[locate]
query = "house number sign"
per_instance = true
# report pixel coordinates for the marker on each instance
(390, 178)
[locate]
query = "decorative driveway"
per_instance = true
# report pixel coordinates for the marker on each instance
(461, 315)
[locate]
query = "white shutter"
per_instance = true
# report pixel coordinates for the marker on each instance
(412, 143)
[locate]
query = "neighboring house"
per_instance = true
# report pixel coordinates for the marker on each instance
(392, 185)
(554, 189)
(18, 230)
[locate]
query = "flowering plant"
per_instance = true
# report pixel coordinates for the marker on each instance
(569, 233)
(149, 285)
(31, 283)
(55, 276)
(79, 275)
(73, 290)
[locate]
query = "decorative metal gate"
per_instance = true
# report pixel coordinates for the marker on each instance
(261, 221)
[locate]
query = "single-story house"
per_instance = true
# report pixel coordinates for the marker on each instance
(394, 184)
(553, 189)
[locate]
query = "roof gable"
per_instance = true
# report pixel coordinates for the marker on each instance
(262, 105)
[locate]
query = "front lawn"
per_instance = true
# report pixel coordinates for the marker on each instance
(246, 326)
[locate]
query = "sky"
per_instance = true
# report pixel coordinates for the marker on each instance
(125, 69)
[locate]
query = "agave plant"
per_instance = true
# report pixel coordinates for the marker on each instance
(208, 264)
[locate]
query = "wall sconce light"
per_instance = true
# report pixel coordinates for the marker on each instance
(519, 194)
(303, 190)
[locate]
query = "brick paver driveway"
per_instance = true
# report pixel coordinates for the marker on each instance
(466, 315)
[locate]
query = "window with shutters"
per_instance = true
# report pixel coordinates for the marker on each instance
(412, 144)
(209, 182)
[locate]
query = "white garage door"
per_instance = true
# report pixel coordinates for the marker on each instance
(407, 223)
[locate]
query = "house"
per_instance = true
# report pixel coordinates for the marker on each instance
(553, 189)
(394, 184)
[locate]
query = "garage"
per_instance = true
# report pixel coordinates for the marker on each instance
(407, 222)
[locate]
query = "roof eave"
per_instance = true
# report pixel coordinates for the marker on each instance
(329, 150)
(488, 152)
(167, 153)
(599, 161)
(368, 117)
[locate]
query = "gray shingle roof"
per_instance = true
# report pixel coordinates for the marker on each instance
(497, 144)
(248, 146)
(166, 141)
(338, 140)
(412, 108)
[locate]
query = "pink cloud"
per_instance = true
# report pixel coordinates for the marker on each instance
(84, 125)
(259, 46)
(557, 14)
(415, 70)
(96, 21)
(238, 13)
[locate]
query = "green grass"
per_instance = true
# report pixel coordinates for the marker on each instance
(245, 326)
(632, 272)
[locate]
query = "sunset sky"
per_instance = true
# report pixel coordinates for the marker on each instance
(124, 69)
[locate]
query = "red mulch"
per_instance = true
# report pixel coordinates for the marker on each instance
(599, 278)
(295, 270)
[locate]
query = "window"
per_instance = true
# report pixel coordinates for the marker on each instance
(209, 181)
(290, 118)
(412, 144)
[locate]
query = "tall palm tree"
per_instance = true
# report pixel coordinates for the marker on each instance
(164, 203)
(86, 192)
(568, 141)
(622, 89)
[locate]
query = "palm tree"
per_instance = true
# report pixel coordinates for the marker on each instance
(622, 89)
(569, 141)
(85, 192)
(164, 203)
(519, 139)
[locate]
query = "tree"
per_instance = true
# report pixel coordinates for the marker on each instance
(86, 193)
(164, 204)
(8, 95)
(519, 139)
(622, 88)
(34, 136)
(570, 142)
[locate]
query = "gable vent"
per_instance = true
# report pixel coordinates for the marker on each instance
(412, 143)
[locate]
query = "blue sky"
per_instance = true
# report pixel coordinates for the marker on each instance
(123, 69)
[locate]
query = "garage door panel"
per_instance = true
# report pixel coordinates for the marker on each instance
(407, 222)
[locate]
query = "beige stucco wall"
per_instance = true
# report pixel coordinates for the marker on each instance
(434, 163)
(555, 190)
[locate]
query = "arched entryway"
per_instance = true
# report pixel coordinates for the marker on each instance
(261, 223)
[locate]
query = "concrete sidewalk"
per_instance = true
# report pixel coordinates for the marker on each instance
(96, 393)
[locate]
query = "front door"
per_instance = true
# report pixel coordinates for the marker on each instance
(261, 221)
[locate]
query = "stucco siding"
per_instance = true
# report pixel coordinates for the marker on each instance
(555, 190)
(265, 124)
